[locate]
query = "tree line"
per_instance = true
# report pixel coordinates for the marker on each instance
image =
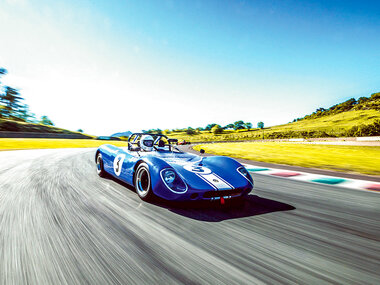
(363, 103)
(13, 107)
(212, 128)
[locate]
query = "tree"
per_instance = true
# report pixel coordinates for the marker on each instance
(260, 125)
(375, 96)
(153, 131)
(46, 121)
(24, 114)
(11, 106)
(10, 101)
(209, 127)
(190, 131)
(248, 126)
(217, 129)
(229, 126)
(238, 125)
(362, 100)
(3, 71)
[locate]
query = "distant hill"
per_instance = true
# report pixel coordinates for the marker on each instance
(124, 134)
(25, 127)
(352, 118)
(363, 103)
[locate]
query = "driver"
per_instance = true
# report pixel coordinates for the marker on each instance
(146, 143)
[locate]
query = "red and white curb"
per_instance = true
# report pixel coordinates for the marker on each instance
(316, 178)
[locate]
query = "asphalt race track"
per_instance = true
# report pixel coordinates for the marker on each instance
(62, 224)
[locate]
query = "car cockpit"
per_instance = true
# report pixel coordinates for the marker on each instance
(151, 142)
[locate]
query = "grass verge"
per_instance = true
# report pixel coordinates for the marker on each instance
(16, 143)
(359, 159)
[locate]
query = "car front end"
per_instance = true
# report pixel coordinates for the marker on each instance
(196, 183)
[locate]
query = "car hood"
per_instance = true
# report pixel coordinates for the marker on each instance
(205, 173)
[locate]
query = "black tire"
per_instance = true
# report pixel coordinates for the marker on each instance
(100, 166)
(143, 183)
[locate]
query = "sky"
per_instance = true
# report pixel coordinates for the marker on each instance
(118, 65)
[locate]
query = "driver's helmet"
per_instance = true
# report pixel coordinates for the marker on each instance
(146, 142)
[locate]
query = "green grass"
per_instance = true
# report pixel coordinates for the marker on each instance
(7, 125)
(12, 144)
(359, 159)
(341, 121)
(334, 125)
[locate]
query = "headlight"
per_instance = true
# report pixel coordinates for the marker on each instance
(245, 173)
(169, 176)
(173, 181)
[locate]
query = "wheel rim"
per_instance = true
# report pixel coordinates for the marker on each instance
(98, 164)
(142, 182)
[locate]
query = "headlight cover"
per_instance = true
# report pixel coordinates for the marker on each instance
(169, 176)
(173, 181)
(244, 172)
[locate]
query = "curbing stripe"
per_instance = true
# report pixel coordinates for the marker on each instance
(328, 180)
(258, 169)
(373, 187)
(315, 178)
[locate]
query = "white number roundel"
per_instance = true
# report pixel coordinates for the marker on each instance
(118, 163)
(195, 168)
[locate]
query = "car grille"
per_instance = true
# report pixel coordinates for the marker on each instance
(222, 193)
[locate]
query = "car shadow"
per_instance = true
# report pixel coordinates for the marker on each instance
(250, 205)
(213, 211)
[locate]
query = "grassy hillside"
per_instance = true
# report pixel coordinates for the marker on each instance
(337, 125)
(350, 118)
(19, 126)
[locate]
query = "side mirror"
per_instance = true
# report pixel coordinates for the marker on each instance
(202, 151)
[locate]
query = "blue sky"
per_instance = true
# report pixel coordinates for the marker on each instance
(109, 66)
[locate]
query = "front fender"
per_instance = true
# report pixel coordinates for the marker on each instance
(155, 165)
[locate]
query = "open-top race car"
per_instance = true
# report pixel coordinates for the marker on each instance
(156, 167)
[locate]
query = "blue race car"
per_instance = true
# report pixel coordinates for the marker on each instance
(156, 167)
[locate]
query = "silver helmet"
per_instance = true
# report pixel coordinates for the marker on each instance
(146, 143)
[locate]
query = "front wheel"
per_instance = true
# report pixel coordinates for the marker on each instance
(143, 182)
(100, 166)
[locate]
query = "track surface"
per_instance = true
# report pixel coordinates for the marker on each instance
(62, 224)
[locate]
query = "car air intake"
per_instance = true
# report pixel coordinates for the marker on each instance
(221, 193)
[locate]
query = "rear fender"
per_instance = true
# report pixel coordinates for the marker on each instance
(108, 154)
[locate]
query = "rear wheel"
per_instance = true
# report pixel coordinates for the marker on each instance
(100, 166)
(143, 182)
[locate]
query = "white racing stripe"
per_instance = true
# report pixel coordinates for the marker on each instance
(216, 182)
(232, 187)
